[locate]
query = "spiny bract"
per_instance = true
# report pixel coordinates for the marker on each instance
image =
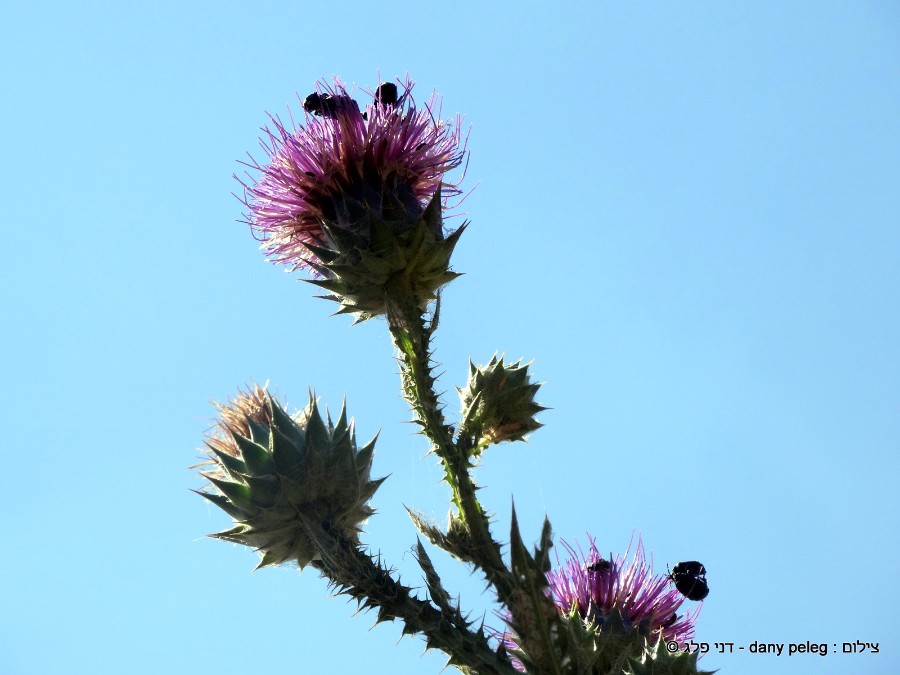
(365, 268)
(287, 479)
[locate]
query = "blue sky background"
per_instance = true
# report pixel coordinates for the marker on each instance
(686, 214)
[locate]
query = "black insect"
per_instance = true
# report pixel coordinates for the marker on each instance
(690, 579)
(599, 565)
(386, 94)
(670, 621)
(326, 105)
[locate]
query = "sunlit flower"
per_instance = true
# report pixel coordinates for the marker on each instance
(598, 588)
(617, 600)
(346, 166)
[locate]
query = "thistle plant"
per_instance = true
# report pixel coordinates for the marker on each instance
(354, 196)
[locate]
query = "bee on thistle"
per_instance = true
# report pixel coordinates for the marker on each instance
(690, 579)
(326, 105)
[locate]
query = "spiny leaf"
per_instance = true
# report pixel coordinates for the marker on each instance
(238, 493)
(258, 461)
(438, 594)
(230, 463)
(223, 503)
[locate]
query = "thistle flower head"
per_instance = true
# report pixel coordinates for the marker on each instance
(352, 184)
(615, 610)
(285, 480)
(598, 589)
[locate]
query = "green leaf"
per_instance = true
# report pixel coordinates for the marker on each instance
(225, 504)
(326, 255)
(342, 422)
(365, 455)
(263, 490)
(518, 553)
(317, 435)
(287, 454)
(273, 558)
(433, 215)
(333, 285)
(259, 433)
(542, 554)
(230, 463)
(436, 590)
(258, 460)
(370, 488)
(238, 493)
(280, 419)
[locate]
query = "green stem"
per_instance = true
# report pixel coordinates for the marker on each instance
(353, 572)
(412, 338)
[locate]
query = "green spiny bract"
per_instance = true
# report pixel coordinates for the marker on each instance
(602, 648)
(658, 660)
(498, 403)
(287, 480)
(532, 613)
(380, 259)
(615, 648)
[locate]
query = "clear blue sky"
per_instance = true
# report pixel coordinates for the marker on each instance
(686, 215)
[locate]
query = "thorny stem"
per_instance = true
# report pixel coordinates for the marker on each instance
(412, 337)
(353, 572)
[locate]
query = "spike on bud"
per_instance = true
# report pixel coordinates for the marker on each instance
(286, 478)
(498, 403)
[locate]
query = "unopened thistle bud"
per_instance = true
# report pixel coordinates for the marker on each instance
(498, 403)
(356, 195)
(284, 479)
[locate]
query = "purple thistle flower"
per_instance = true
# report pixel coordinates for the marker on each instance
(345, 167)
(614, 599)
(598, 588)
